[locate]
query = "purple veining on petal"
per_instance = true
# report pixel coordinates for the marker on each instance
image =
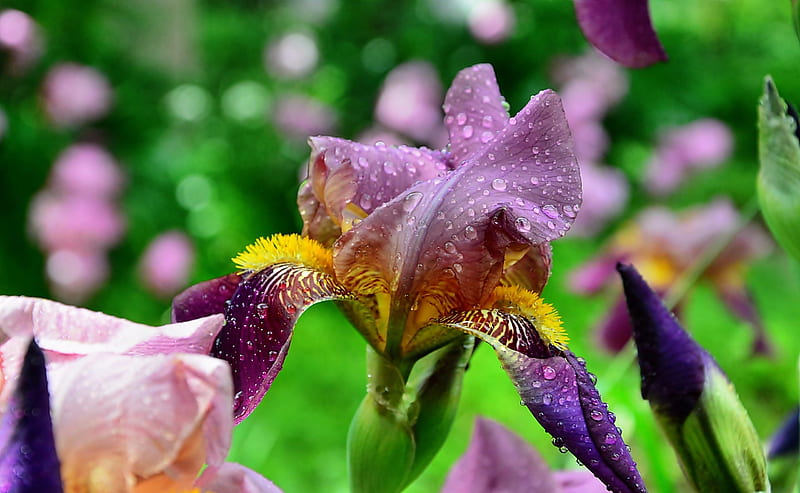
(205, 298)
(622, 30)
(672, 363)
(522, 189)
(474, 110)
(499, 460)
(561, 395)
(28, 459)
(260, 319)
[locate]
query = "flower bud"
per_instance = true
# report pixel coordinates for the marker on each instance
(692, 399)
(779, 174)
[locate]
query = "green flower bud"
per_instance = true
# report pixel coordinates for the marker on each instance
(779, 173)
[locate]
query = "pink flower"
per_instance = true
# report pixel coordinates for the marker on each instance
(685, 150)
(410, 101)
(75, 274)
(491, 21)
(87, 169)
(605, 193)
(75, 222)
(75, 94)
(20, 38)
(294, 55)
(167, 263)
(134, 408)
(300, 116)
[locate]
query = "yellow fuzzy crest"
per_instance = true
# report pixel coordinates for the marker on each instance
(530, 305)
(279, 248)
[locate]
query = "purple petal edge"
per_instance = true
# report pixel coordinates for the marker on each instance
(205, 298)
(622, 30)
(561, 395)
(28, 459)
(672, 364)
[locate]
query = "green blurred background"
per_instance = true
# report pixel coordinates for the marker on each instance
(192, 126)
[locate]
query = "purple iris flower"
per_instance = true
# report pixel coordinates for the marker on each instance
(622, 30)
(424, 250)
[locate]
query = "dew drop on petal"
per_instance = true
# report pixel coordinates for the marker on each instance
(547, 399)
(487, 121)
(550, 211)
(596, 414)
(522, 224)
(461, 118)
(411, 201)
(499, 184)
(534, 180)
(467, 131)
(450, 247)
(470, 233)
(486, 136)
(548, 372)
(610, 439)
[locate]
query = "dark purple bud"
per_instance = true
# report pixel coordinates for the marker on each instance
(672, 363)
(786, 440)
(28, 459)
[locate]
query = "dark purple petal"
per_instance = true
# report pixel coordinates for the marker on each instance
(474, 111)
(205, 298)
(348, 178)
(28, 460)
(672, 363)
(622, 30)
(446, 238)
(786, 440)
(499, 460)
(561, 395)
(260, 319)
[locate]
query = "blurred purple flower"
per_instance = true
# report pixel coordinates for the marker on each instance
(605, 193)
(786, 439)
(88, 170)
(620, 29)
(299, 116)
(664, 245)
(491, 21)
(499, 460)
(20, 38)
(293, 55)
(410, 101)
(167, 262)
(682, 151)
(75, 95)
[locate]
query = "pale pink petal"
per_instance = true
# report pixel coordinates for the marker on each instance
(131, 418)
(234, 478)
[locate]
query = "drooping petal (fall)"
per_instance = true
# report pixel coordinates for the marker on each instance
(523, 189)
(260, 320)
(350, 180)
(28, 460)
(499, 460)
(474, 111)
(125, 420)
(205, 298)
(622, 30)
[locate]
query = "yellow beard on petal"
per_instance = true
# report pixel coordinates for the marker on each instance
(279, 248)
(531, 306)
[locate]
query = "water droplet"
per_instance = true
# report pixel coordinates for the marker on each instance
(550, 211)
(487, 121)
(535, 150)
(365, 202)
(486, 136)
(523, 224)
(480, 178)
(467, 131)
(411, 201)
(461, 118)
(262, 309)
(534, 180)
(610, 439)
(470, 233)
(548, 372)
(458, 267)
(593, 378)
(547, 399)
(388, 168)
(551, 225)
(362, 161)
(450, 247)
(558, 442)
(499, 184)
(596, 414)
(291, 309)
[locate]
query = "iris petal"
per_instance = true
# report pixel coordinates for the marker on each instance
(28, 459)
(559, 392)
(205, 298)
(344, 173)
(531, 271)
(622, 30)
(522, 189)
(474, 110)
(260, 319)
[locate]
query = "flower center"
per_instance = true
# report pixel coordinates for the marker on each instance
(279, 248)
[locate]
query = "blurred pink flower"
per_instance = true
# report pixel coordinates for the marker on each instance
(491, 21)
(299, 116)
(3, 123)
(376, 134)
(293, 55)
(682, 151)
(20, 38)
(76, 274)
(167, 263)
(605, 193)
(663, 246)
(88, 170)
(75, 94)
(590, 85)
(67, 221)
(410, 102)
(132, 409)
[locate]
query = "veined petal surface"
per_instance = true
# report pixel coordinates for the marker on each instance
(205, 298)
(260, 320)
